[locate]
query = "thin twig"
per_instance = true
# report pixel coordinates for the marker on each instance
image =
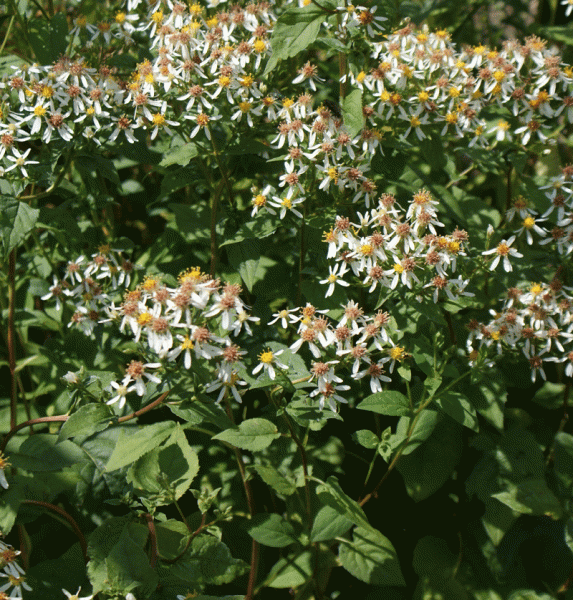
(11, 350)
(251, 505)
(68, 518)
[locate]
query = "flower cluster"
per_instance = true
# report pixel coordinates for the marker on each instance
(12, 573)
(171, 323)
(538, 320)
(387, 247)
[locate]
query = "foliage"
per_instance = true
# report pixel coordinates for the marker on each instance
(287, 302)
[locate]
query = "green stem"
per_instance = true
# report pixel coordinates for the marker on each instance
(251, 504)
(220, 165)
(411, 428)
(11, 329)
(8, 30)
(301, 256)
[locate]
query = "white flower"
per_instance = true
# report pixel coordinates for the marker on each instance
(267, 359)
(335, 278)
(120, 397)
(503, 250)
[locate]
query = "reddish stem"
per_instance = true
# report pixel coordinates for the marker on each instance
(68, 518)
(153, 539)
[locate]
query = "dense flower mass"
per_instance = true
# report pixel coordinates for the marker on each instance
(207, 66)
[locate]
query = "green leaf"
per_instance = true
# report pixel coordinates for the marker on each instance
(329, 524)
(564, 462)
(10, 501)
(42, 453)
(128, 567)
(531, 497)
(430, 466)
(371, 557)
(292, 571)
(271, 530)
(245, 257)
(366, 438)
(48, 37)
(352, 112)
(208, 562)
(423, 428)
(457, 406)
(87, 420)
(133, 445)
(180, 155)
(102, 542)
(252, 434)
(331, 494)
(275, 479)
(172, 536)
(165, 473)
(393, 404)
(95, 164)
(294, 31)
(550, 395)
(17, 220)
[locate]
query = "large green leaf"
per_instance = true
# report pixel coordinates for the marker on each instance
(245, 257)
(17, 220)
(275, 479)
(131, 446)
(352, 112)
(391, 403)
(294, 31)
(48, 37)
(371, 557)
(328, 524)
(87, 420)
(331, 494)
(252, 434)
(165, 473)
(531, 497)
(208, 561)
(271, 530)
(427, 468)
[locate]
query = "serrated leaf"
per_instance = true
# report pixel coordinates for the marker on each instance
(127, 564)
(275, 479)
(17, 220)
(97, 164)
(366, 438)
(252, 434)
(294, 31)
(564, 462)
(165, 473)
(208, 562)
(180, 155)
(271, 530)
(48, 37)
(329, 524)
(292, 571)
(245, 257)
(43, 453)
(392, 404)
(132, 446)
(427, 468)
(352, 112)
(331, 494)
(87, 420)
(457, 406)
(531, 497)
(371, 557)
